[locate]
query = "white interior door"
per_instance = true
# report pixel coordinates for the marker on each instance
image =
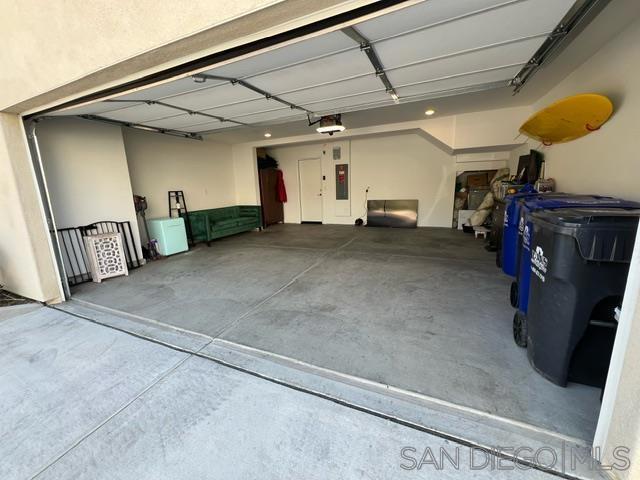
(310, 190)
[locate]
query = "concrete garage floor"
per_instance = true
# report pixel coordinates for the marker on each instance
(84, 401)
(423, 310)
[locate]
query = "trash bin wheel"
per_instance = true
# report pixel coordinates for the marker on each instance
(513, 294)
(520, 329)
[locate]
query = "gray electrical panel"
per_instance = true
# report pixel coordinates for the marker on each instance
(342, 181)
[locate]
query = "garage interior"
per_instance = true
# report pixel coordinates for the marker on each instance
(422, 311)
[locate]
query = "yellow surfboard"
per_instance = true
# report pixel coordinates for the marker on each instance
(568, 119)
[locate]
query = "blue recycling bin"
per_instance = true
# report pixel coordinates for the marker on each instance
(511, 244)
(510, 231)
(525, 237)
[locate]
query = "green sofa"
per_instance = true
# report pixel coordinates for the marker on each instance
(207, 225)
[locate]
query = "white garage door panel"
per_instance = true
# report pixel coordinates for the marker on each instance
(339, 103)
(504, 74)
(92, 109)
(515, 53)
(268, 117)
(203, 127)
(418, 16)
(336, 67)
(213, 97)
(340, 89)
(519, 20)
(246, 108)
(141, 113)
(288, 55)
(168, 89)
(178, 121)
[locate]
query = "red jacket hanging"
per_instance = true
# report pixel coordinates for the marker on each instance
(282, 191)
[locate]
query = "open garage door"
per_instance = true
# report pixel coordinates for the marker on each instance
(388, 308)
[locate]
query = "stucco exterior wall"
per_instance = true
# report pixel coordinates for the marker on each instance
(26, 263)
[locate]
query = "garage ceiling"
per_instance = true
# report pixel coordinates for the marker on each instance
(427, 50)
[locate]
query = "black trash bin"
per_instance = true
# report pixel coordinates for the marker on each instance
(579, 264)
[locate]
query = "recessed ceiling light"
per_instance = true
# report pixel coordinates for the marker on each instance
(429, 112)
(267, 135)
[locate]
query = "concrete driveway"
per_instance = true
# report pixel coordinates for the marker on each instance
(85, 401)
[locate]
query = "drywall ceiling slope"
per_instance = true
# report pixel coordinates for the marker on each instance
(476, 132)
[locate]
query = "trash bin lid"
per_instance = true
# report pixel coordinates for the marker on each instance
(541, 195)
(577, 201)
(534, 198)
(603, 234)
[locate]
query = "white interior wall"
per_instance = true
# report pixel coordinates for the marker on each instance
(442, 133)
(245, 172)
(394, 166)
(497, 127)
(159, 163)
(405, 167)
(93, 170)
(86, 170)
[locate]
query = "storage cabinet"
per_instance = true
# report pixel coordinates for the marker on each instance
(272, 208)
(106, 256)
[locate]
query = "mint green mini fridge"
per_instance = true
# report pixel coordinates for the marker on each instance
(170, 234)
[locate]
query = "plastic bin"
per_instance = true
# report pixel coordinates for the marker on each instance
(511, 241)
(532, 204)
(580, 261)
(510, 232)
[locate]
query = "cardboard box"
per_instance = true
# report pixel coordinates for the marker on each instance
(477, 180)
